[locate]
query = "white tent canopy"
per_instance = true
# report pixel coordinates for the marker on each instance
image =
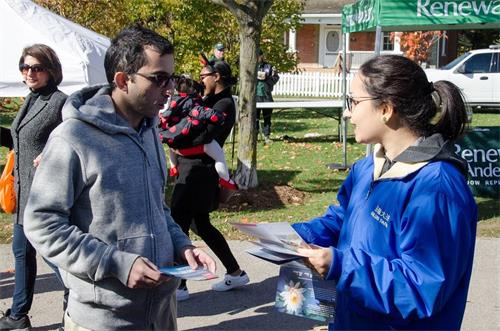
(81, 51)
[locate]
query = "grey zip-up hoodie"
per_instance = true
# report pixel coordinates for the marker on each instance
(96, 204)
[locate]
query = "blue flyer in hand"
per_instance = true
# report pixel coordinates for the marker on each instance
(185, 272)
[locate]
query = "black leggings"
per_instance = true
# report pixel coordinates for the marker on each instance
(210, 235)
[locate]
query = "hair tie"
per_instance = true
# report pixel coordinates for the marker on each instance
(434, 94)
(436, 98)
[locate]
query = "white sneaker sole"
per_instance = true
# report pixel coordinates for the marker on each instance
(226, 287)
(181, 297)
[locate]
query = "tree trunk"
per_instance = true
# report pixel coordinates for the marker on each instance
(249, 16)
(246, 172)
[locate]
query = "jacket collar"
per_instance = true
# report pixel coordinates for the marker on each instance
(398, 170)
(45, 92)
(426, 149)
(30, 113)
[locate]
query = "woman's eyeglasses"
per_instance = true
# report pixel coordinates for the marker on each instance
(161, 80)
(36, 68)
(351, 102)
(203, 76)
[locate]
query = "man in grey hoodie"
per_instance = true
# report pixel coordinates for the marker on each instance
(96, 207)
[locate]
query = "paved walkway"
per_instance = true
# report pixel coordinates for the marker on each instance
(251, 307)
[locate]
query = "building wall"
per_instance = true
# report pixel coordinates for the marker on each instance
(308, 43)
(362, 41)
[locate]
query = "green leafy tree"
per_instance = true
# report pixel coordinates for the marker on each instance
(104, 17)
(8, 104)
(250, 16)
(155, 15)
(283, 16)
(476, 39)
(195, 26)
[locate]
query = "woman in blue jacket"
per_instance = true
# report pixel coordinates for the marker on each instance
(400, 244)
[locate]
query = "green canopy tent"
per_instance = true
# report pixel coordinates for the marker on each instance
(414, 15)
(420, 15)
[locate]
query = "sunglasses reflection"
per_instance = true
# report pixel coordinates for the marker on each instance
(36, 68)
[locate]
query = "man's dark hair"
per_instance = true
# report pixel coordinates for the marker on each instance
(126, 53)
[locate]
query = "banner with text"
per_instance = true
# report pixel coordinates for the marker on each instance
(481, 149)
(415, 15)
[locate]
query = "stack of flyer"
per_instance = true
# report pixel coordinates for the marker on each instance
(300, 290)
(277, 242)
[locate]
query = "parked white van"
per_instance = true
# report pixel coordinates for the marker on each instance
(476, 73)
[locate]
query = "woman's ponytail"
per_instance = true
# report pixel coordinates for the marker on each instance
(451, 118)
(426, 108)
(224, 70)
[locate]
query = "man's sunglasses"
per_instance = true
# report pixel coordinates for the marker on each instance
(24, 68)
(161, 80)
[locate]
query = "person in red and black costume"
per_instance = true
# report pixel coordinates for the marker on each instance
(184, 120)
(197, 188)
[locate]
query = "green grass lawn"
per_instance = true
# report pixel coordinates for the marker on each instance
(301, 163)
(304, 142)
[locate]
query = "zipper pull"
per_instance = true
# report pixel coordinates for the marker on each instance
(370, 189)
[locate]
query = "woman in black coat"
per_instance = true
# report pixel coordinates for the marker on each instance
(196, 190)
(38, 116)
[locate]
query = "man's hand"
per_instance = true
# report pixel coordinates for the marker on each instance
(145, 274)
(319, 258)
(195, 257)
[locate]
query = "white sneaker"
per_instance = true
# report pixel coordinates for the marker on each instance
(182, 294)
(231, 282)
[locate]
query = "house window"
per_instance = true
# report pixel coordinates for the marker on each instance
(388, 43)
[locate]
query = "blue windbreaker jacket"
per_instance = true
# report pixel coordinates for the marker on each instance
(402, 246)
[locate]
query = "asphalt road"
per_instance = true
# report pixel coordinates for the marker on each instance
(251, 307)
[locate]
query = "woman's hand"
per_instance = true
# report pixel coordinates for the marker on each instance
(37, 160)
(318, 258)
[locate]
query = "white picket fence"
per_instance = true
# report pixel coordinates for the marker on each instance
(311, 84)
